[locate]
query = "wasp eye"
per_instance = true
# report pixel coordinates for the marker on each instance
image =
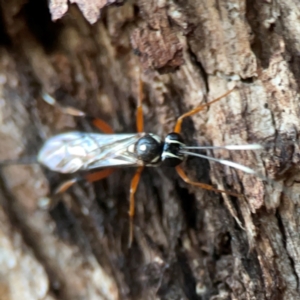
(148, 149)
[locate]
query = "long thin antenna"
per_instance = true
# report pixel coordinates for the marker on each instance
(223, 162)
(228, 147)
(239, 167)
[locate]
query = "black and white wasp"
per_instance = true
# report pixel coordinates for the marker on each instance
(77, 151)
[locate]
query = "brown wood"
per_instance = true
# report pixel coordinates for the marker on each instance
(188, 243)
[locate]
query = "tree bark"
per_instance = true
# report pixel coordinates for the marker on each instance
(189, 243)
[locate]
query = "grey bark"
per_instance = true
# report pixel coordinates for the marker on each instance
(189, 243)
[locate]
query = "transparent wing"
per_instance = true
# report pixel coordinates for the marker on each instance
(75, 151)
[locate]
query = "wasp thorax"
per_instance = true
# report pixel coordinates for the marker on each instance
(148, 149)
(171, 155)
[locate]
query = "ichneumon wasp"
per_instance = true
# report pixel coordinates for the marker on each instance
(78, 151)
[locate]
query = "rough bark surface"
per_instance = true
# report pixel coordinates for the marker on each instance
(188, 243)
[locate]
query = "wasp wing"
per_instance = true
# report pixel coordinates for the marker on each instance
(78, 151)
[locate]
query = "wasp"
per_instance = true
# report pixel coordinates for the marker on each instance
(102, 152)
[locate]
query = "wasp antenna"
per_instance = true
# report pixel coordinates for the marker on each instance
(244, 147)
(228, 147)
(242, 168)
(223, 162)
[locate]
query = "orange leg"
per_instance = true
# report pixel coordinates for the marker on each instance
(177, 127)
(184, 177)
(136, 178)
(133, 187)
(65, 109)
(65, 186)
(98, 175)
(100, 124)
(59, 190)
(139, 112)
(90, 177)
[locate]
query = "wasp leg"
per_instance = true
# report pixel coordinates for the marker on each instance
(139, 109)
(136, 178)
(177, 127)
(68, 110)
(95, 176)
(65, 186)
(90, 177)
(205, 186)
(99, 175)
(102, 126)
(50, 202)
(133, 187)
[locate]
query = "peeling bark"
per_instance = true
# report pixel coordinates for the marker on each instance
(188, 243)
